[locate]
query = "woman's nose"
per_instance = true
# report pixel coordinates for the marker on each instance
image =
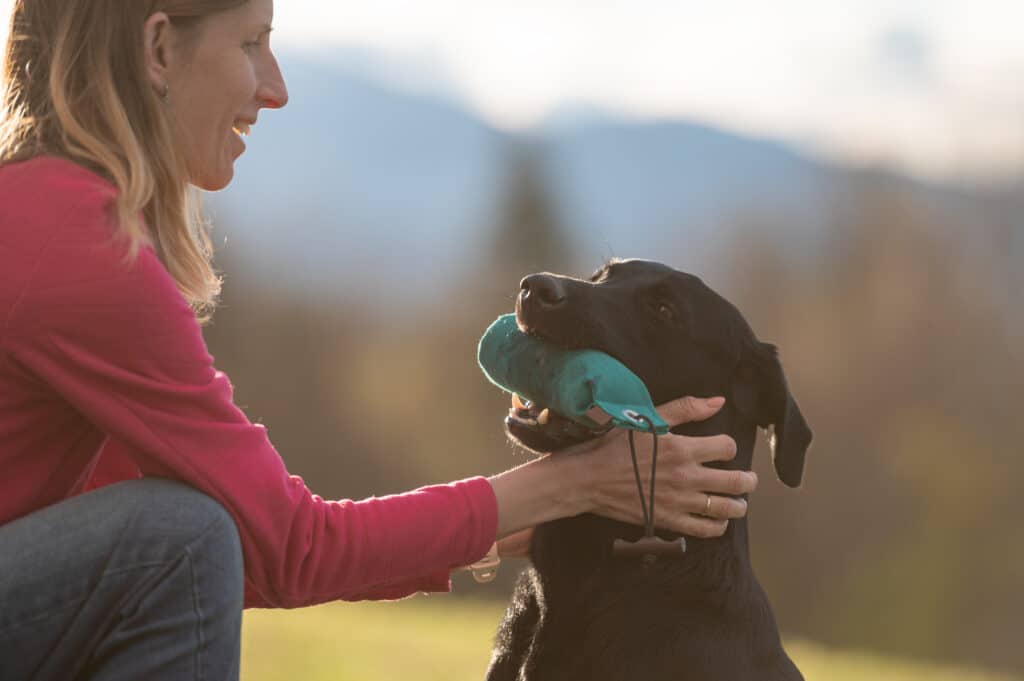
(273, 93)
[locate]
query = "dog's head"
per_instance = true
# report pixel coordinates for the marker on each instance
(677, 335)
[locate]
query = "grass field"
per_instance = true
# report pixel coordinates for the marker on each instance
(440, 638)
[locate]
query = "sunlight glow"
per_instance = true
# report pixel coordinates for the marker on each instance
(935, 87)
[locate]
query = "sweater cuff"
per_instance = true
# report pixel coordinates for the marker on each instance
(485, 506)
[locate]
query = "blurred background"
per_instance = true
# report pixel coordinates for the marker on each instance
(851, 175)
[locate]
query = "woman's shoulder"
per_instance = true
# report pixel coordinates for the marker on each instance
(58, 227)
(48, 197)
(47, 191)
(46, 172)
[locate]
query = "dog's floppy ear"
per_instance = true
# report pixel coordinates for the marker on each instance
(759, 391)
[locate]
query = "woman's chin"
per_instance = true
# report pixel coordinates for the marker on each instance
(214, 182)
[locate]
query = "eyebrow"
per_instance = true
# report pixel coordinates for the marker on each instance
(267, 28)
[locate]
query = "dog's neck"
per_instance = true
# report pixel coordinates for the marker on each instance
(741, 429)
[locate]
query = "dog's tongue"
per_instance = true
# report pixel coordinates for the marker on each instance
(569, 382)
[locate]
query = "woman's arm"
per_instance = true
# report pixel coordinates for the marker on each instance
(115, 348)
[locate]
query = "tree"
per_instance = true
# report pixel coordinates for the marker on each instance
(529, 235)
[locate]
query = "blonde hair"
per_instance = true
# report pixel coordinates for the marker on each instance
(73, 84)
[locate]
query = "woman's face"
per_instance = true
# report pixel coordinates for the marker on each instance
(217, 83)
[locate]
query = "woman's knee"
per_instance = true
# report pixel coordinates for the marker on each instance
(177, 518)
(206, 532)
(126, 553)
(186, 579)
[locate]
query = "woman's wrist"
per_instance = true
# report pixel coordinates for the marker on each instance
(541, 490)
(577, 476)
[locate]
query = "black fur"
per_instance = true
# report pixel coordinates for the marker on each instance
(581, 613)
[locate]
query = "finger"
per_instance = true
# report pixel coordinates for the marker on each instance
(693, 525)
(676, 517)
(717, 481)
(516, 545)
(704, 449)
(679, 521)
(687, 409)
(715, 506)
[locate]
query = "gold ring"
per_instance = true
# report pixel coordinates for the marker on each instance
(707, 506)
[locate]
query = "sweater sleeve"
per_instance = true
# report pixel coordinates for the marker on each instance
(120, 344)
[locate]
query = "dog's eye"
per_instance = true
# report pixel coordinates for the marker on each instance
(665, 312)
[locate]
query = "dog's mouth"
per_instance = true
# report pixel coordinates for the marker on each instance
(526, 413)
(541, 429)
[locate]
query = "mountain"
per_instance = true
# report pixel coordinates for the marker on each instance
(359, 189)
(673, 188)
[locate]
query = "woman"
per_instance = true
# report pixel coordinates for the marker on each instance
(110, 110)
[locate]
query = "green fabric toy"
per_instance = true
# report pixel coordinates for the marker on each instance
(569, 382)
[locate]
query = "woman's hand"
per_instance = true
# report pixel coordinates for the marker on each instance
(516, 545)
(601, 481)
(683, 486)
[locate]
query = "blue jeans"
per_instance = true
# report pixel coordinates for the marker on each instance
(138, 580)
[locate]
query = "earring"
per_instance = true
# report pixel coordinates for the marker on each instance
(164, 95)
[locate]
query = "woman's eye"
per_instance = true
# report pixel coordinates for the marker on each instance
(251, 44)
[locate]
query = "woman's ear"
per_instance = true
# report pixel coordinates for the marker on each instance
(156, 33)
(760, 392)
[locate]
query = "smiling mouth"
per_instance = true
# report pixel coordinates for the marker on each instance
(241, 129)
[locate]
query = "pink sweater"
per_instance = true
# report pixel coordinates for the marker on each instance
(104, 375)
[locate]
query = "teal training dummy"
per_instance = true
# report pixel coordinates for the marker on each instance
(569, 382)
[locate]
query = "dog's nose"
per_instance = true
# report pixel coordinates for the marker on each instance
(543, 290)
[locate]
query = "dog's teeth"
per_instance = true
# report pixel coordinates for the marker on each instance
(517, 401)
(542, 418)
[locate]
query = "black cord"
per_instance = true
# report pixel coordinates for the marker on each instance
(636, 473)
(648, 519)
(654, 469)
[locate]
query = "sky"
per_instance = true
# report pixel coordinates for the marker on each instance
(932, 87)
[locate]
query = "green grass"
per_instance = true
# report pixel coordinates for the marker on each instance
(439, 637)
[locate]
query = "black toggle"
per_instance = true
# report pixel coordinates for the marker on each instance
(649, 546)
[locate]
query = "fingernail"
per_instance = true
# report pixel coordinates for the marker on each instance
(715, 402)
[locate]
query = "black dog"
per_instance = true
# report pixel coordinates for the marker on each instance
(582, 613)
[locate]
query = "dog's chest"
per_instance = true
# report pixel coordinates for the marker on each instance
(704, 607)
(574, 558)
